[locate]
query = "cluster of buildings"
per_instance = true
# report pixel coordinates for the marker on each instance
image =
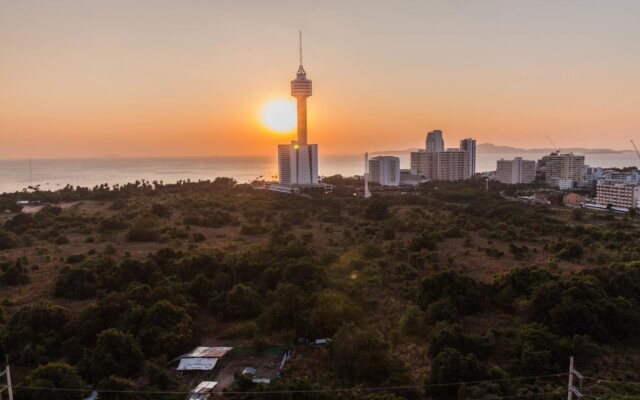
(561, 170)
(298, 160)
(565, 171)
(298, 164)
(435, 163)
(431, 163)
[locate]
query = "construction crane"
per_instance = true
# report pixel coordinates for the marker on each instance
(635, 147)
(555, 148)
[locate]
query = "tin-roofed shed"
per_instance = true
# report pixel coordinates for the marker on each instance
(207, 352)
(203, 391)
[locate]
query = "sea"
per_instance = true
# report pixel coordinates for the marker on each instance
(53, 174)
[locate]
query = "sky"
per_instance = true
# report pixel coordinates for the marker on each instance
(89, 78)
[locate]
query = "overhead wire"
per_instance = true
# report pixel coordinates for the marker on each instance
(355, 389)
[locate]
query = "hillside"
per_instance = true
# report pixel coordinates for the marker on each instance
(420, 290)
(488, 148)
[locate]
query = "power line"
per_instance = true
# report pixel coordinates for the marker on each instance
(557, 375)
(612, 381)
(520, 396)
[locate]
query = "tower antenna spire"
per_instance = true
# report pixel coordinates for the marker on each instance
(300, 42)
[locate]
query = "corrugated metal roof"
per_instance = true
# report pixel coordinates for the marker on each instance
(204, 387)
(197, 364)
(208, 352)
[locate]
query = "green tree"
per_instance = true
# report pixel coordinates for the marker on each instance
(288, 308)
(8, 240)
(449, 366)
(412, 321)
(331, 310)
(166, 329)
(36, 325)
(464, 293)
(115, 353)
(50, 376)
(144, 229)
(13, 274)
(377, 210)
(76, 283)
(359, 355)
(240, 302)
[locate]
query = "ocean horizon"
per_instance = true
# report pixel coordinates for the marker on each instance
(54, 174)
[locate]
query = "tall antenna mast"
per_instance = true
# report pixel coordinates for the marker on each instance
(300, 42)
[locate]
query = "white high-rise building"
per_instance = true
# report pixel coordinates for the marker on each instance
(451, 165)
(469, 145)
(385, 170)
(559, 168)
(434, 141)
(298, 164)
(516, 171)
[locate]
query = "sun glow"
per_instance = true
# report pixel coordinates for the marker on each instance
(279, 115)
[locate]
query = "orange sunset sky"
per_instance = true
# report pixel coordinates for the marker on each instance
(91, 78)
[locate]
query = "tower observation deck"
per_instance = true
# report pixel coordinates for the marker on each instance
(298, 160)
(301, 89)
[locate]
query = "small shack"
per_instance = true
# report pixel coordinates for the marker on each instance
(203, 391)
(202, 358)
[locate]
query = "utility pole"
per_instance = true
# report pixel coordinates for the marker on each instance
(571, 389)
(367, 193)
(8, 388)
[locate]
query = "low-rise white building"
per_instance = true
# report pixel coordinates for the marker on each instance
(617, 194)
(562, 183)
(408, 178)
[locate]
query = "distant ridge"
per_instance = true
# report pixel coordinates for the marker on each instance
(488, 148)
(492, 149)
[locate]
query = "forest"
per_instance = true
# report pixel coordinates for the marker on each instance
(444, 291)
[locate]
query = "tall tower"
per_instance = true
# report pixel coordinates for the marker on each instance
(298, 161)
(301, 89)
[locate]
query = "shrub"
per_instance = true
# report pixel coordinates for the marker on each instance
(144, 229)
(464, 293)
(8, 240)
(161, 210)
(76, 258)
(199, 237)
(412, 321)
(61, 240)
(76, 283)
(359, 355)
(331, 310)
(239, 303)
(13, 274)
(377, 210)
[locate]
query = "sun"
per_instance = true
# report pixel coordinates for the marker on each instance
(279, 115)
